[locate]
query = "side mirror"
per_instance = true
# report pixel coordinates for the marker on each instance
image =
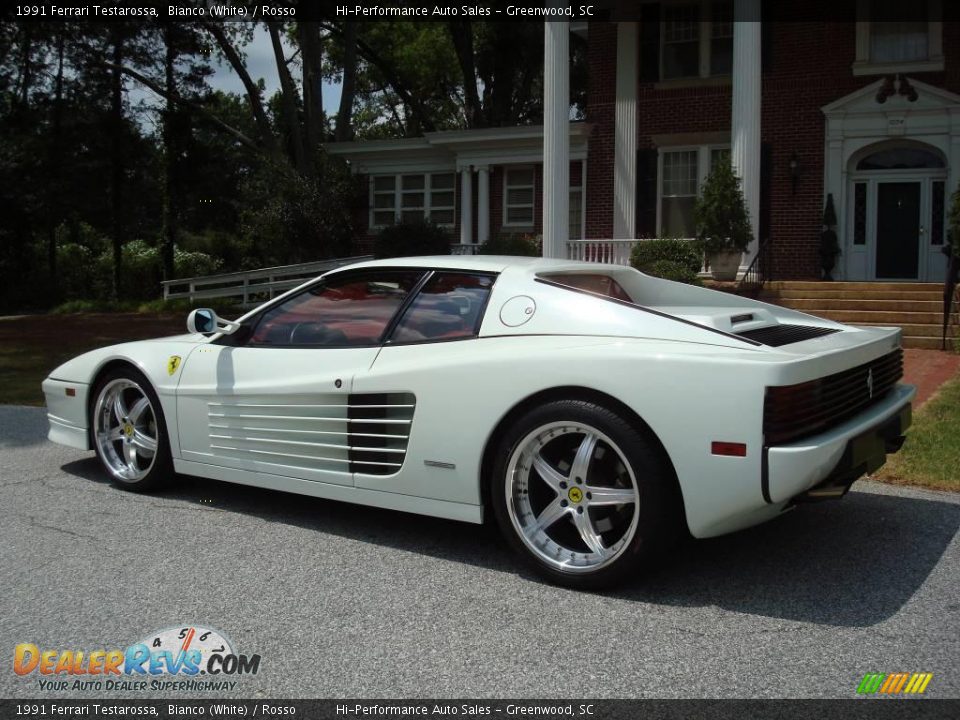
(206, 322)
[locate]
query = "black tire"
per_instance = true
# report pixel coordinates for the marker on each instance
(150, 424)
(656, 505)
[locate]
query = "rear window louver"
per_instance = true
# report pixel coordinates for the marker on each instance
(777, 335)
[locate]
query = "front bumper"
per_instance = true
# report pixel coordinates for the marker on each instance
(67, 413)
(832, 460)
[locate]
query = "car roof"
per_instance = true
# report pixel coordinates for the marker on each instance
(486, 263)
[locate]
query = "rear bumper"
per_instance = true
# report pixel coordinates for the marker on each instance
(67, 413)
(825, 465)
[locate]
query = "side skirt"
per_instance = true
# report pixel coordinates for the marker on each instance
(341, 493)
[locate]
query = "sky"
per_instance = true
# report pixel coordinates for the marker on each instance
(260, 63)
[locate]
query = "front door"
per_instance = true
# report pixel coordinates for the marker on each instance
(898, 231)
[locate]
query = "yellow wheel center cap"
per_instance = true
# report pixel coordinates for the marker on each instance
(128, 430)
(575, 494)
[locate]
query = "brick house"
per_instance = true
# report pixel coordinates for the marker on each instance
(865, 111)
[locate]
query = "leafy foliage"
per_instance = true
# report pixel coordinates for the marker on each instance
(522, 244)
(720, 212)
(671, 259)
(412, 238)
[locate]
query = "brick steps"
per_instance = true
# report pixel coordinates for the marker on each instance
(917, 308)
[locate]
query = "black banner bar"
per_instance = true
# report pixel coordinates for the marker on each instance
(854, 709)
(425, 11)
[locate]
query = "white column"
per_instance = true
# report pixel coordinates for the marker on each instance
(466, 206)
(556, 138)
(745, 122)
(625, 134)
(483, 204)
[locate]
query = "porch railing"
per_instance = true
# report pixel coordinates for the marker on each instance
(251, 286)
(614, 252)
(758, 272)
(463, 249)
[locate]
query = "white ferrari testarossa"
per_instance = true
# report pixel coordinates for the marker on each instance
(593, 409)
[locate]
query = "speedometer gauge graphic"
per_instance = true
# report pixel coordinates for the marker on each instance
(181, 640)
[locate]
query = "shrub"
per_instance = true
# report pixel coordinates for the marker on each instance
(670, 270)
(720, 213)
(522, 244)
(412, 238)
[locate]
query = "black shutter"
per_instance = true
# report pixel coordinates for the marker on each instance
(766, 45)
(647, 193)
(766, 183)
(649, 43)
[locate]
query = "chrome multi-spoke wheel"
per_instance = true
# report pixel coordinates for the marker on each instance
(573, 498)
(128, 430)
(583, 494)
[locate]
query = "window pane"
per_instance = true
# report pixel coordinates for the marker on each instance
(718, 154)
(860, 214)
(721, 56)
(442, 217)
(680, 173)
(381, 217)
(383, 182)
(681, 23)
(936, 221)
(900, 159)
(677, 217)
(441, 199)
(681, 60)
(721, 15)
(448, 307)
(412, 182)
(412, 200)
(519, 177)
(383, 200)
(442, 181)
(898, 41)
(411, 216)
(520, 197)
(337, 313)
(520, 215)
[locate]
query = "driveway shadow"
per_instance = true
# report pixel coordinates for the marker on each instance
(852, 563)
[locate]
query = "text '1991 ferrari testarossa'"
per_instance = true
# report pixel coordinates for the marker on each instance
(594, 410)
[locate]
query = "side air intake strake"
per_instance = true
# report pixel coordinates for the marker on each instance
(363, 433)
(777, 335)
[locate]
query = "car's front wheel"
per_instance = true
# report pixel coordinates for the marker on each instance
(129, 432)
(582, 495)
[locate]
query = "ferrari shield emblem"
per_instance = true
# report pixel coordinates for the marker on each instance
(172, 364)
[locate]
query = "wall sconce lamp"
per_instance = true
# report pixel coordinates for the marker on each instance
(794, 171)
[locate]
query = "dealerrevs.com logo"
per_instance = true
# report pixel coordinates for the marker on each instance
(187, 658)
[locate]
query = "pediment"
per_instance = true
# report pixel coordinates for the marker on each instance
(864, 100)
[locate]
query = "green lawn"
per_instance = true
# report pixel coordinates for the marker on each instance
(33, 345)
(931, 455)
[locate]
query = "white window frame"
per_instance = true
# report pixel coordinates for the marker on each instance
(863, 65)
(533, 205)
(706, 38)
(398, 193)
(704, 153)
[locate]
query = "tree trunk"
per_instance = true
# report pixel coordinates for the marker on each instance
(171, 205)
(348, 88)
(116, 162)
(56, 172)
(290, 100)
(461, 32)
(311, 57)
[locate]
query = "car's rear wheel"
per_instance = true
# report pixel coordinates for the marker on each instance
(582, 494)
(129, 431)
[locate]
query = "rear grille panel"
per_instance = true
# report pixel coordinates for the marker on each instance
(793, 412)
(379, 431)
(783, 334)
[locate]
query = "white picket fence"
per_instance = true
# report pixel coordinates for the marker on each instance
(249, 287)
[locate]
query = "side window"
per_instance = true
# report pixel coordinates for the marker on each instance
(340, 312)
(450, 306)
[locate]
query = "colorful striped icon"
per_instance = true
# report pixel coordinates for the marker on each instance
(894, 683)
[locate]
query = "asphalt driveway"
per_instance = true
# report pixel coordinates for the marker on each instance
(345, 601)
